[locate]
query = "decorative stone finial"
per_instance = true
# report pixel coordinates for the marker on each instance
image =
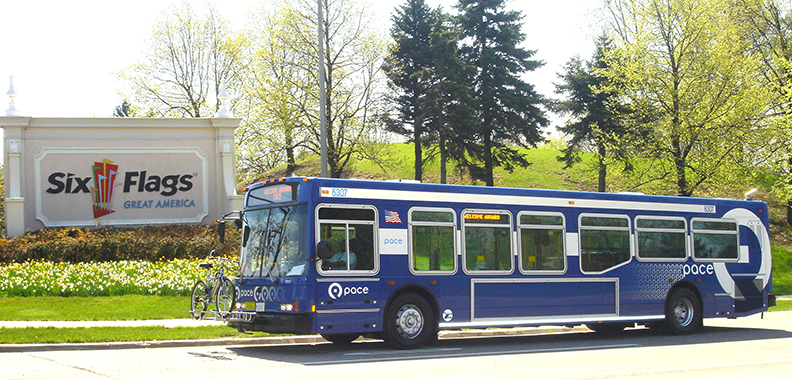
(12, 110)
(224, 111)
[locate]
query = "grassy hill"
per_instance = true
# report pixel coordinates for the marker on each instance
(395, 161)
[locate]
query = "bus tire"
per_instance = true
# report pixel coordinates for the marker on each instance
(409, 322)
(683, 313)
(340, 339)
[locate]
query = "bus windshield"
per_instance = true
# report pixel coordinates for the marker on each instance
(274, 242)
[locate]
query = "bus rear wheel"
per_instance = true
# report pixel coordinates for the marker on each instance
(683, 313)
(409, 322)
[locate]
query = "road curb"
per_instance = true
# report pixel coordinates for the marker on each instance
(269, 341)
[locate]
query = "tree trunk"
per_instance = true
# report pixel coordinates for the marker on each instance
(417, 137)
(603, 168)
(789, 212)
(443, 158)
(488, 171)
(679, 167)
(290, 160)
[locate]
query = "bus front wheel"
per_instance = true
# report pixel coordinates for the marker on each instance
(409, 322)
(683, 313)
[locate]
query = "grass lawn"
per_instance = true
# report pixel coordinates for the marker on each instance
(115, 308)
(116, 334)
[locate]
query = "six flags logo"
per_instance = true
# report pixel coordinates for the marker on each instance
(104, 175)
(105, 186)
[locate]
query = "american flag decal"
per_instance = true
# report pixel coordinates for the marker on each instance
(392, 217)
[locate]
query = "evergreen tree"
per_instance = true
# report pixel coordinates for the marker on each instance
(598, 119)
(408, 68)
(507, 109)
(448, 98)
(123, 110)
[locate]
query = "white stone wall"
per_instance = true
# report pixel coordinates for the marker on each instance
(117, 171)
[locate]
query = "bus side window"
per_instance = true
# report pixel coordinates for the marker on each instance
(604, 242)
(661, 238)
(432, 240)
(487, 241)
(350, 234)
(715, 239)
(542, 242)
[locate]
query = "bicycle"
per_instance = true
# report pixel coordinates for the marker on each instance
(217, 289)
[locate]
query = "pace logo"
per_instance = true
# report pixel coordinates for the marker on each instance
(335, 290)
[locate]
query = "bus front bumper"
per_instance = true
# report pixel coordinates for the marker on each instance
(270, 322)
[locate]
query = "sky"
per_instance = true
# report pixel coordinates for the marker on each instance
(65, 55)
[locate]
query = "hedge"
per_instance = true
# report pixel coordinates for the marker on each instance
(106, 244)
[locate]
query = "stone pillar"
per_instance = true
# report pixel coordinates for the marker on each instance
(14, 175)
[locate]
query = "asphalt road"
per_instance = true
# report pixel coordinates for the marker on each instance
(746, 348)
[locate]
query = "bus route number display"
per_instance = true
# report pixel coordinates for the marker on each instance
(272, 194)
(488, 218)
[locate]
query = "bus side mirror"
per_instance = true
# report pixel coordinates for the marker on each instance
(245, 236)
(324, 250)
(221, 231)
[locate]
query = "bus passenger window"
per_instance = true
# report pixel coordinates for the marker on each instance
(542, 242)
(487, 241)
(604, 242)
(661, 238)
(433, 245)
(714, 239)
(350, 232)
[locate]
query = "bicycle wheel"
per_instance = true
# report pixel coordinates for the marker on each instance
(224, 295)
(199, 301)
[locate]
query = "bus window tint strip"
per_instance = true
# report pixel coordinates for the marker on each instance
(542, 220)
(661, 223)
(332, 213)
(432, 216)
(714, 225)
(598, 221)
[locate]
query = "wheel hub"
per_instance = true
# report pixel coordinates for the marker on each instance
(683, 312)
(409, 321)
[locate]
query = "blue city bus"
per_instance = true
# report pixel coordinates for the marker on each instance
(402, 260)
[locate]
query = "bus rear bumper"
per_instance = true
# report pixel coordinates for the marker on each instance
(771, 300)
(270, 322)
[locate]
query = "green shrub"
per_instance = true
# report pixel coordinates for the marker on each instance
(152, 243)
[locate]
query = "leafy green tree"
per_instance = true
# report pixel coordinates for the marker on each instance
(598, 117)
(188, 58)
(507, 109)
(686, 64)
(768, 27)
(354, 81)
(275, 96)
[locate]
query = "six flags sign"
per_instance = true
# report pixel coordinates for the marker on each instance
(154, 186)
